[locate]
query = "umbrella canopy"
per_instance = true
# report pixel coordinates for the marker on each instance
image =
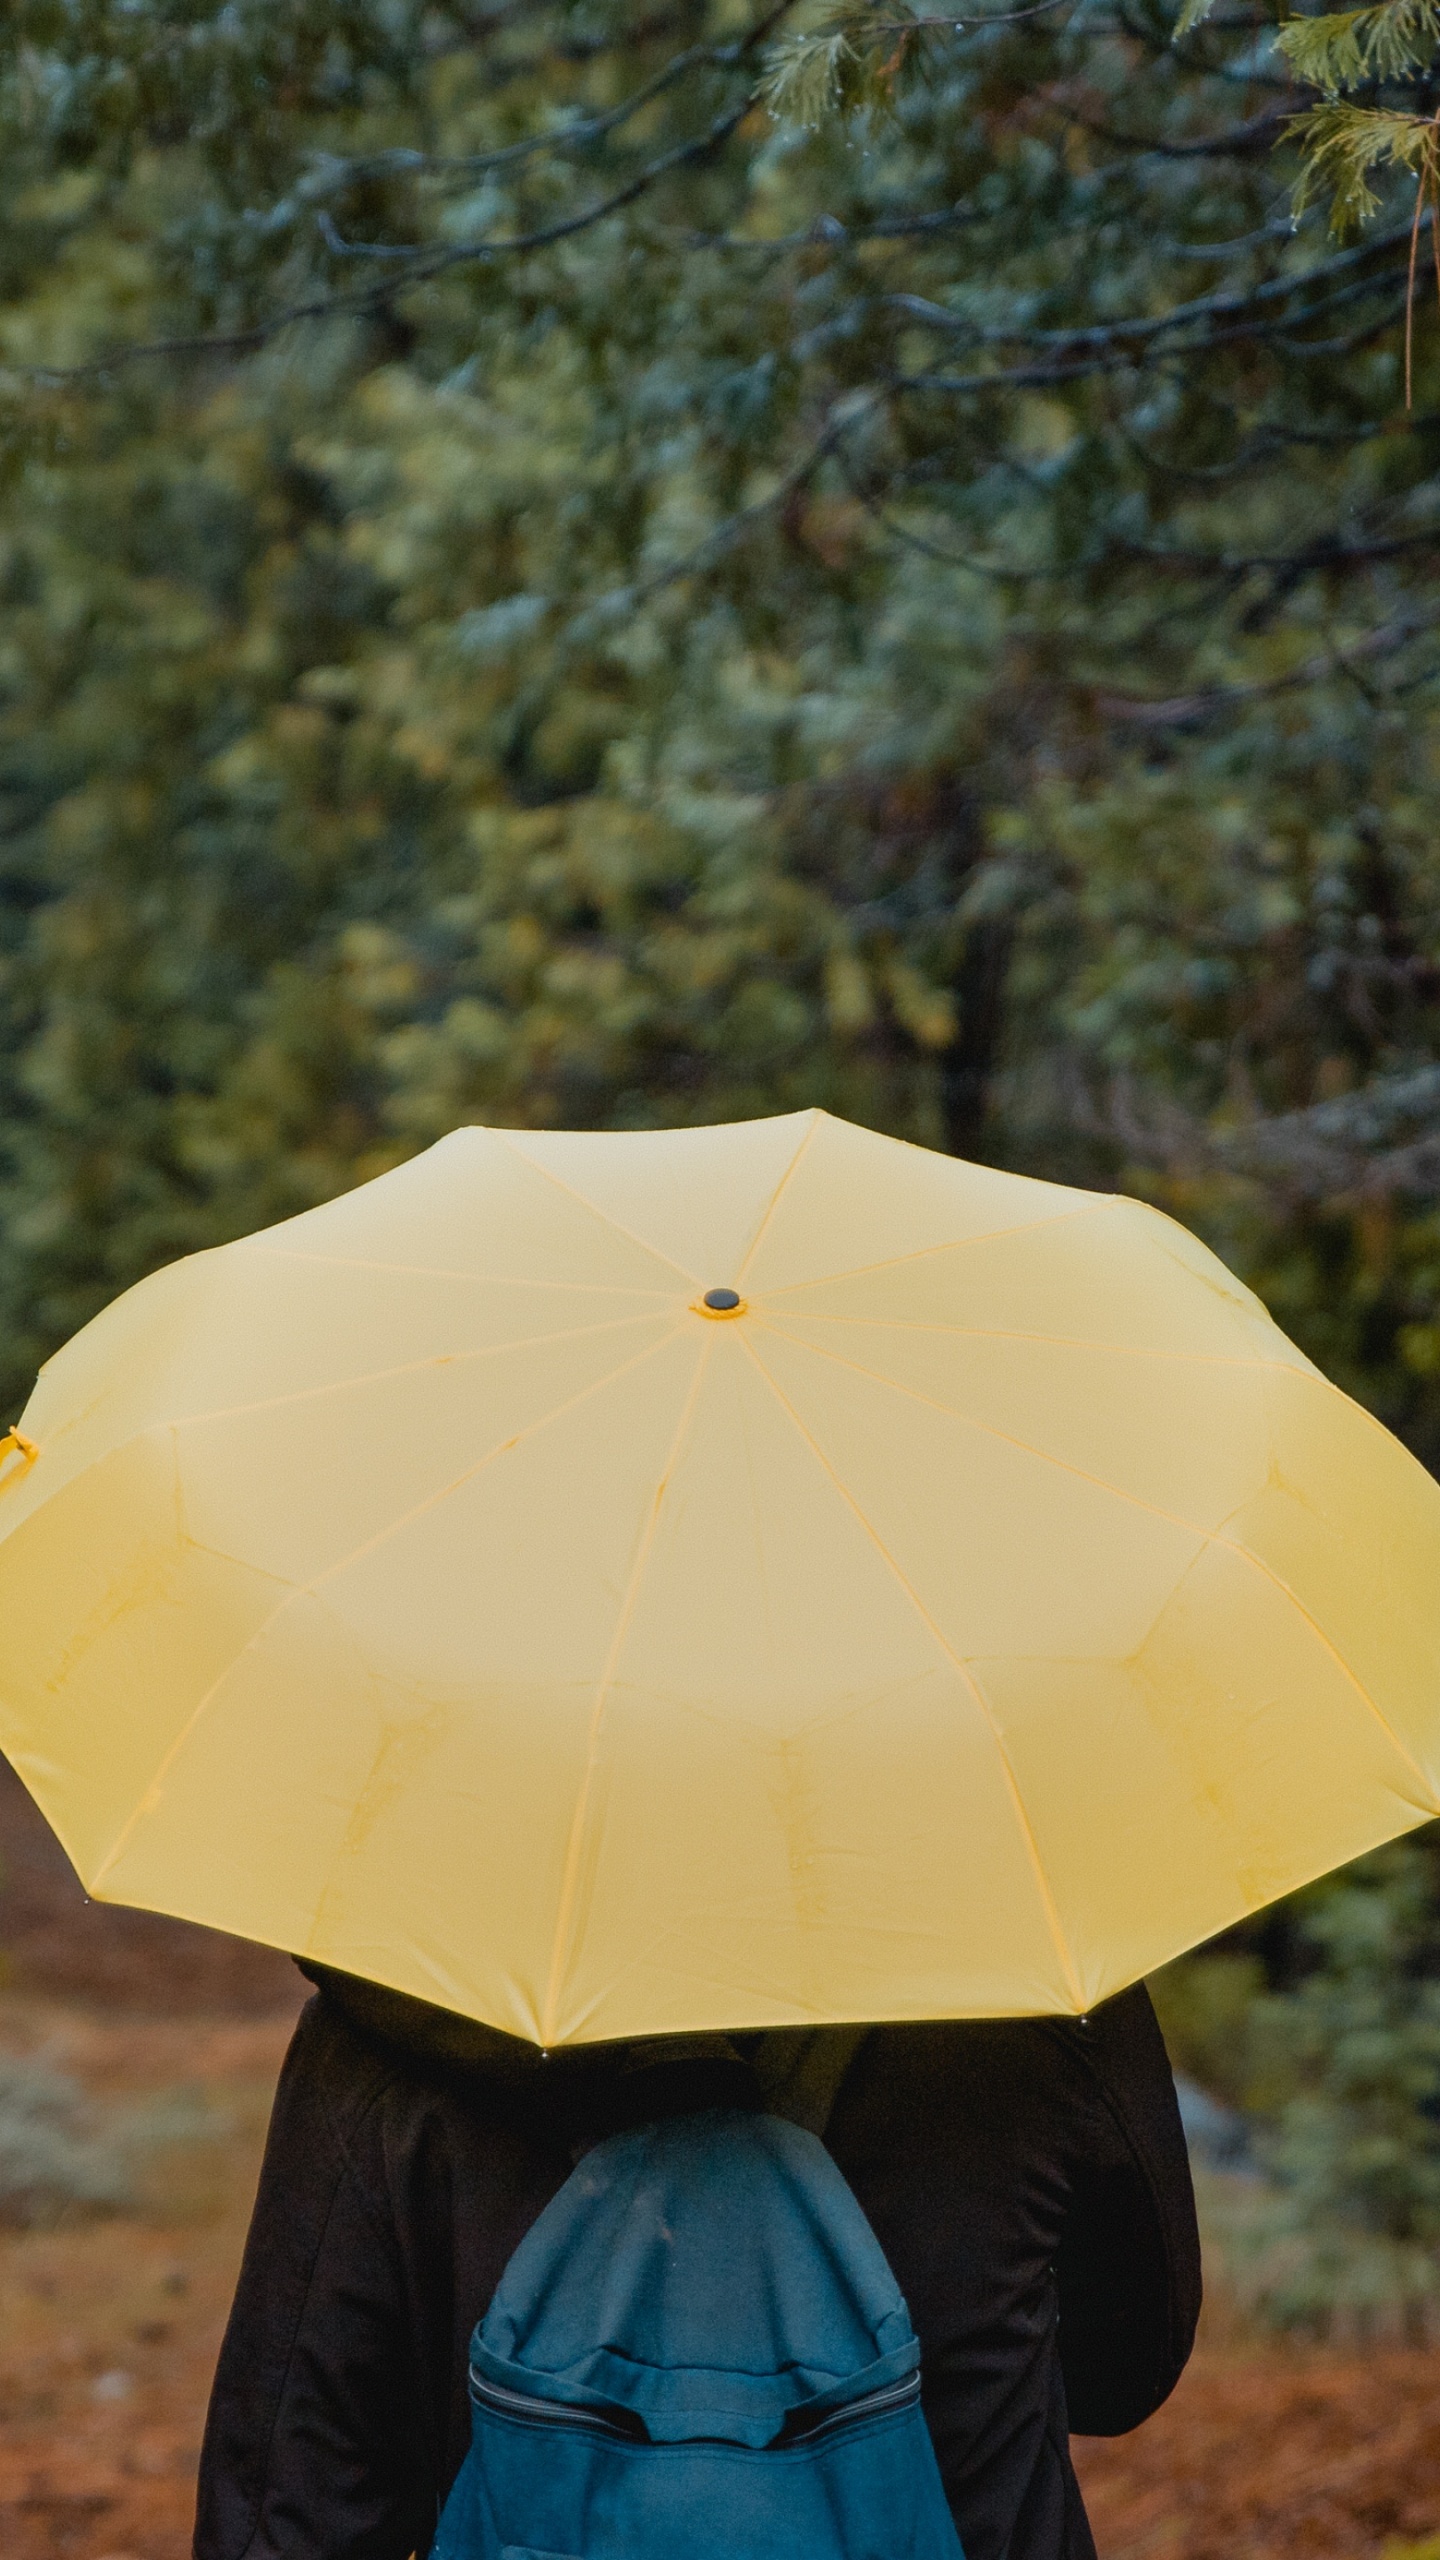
(613, 1583)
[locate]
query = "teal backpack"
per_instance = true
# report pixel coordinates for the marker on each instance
(698, 2352)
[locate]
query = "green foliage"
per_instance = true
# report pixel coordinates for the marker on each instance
(1353, 57)
(1358, 2141)
(1344, 47)
(927, 613)
(1344, 146)
(840, 60)
(1206, 2008)
(1323, 2032)
(64, 2156)
(54, 2161)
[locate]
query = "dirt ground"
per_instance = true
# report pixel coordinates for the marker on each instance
(108, 2329)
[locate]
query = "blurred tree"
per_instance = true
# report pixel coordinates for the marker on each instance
(683, 562)
(634, 596)
(1344, 2076)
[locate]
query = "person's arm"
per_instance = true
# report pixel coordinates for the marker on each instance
(1129, 2264)
(313, 2443)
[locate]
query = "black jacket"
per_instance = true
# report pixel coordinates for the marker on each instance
(1027, 2181)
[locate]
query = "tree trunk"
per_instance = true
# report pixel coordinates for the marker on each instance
(968, 1065)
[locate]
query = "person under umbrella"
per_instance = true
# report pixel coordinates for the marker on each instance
(1027, 2180)
(585, 1588)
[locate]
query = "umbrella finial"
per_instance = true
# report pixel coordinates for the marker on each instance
(722, 1302)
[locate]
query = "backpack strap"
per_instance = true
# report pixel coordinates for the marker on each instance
(655, 2077)
(801, 2070)
(792, 2072)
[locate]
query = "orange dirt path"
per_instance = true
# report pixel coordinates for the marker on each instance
(1262, 2455)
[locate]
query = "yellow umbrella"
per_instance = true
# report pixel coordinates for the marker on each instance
(612, 1583)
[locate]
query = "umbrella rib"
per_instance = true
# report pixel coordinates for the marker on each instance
(773, 1202)
(309, 1590)
(408, 1369)
(1100, 1200)
(1173, 1519)
(443, 1271)
(1062, 1341)
(602, 1214)
(938, 1637)
(1267, 1572)
(991, 1431)
(542, 1422)
(579, 1824)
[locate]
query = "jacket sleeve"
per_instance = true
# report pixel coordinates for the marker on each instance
(311, 2441)
(1129, 2263)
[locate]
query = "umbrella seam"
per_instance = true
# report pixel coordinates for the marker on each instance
(1173, 1519)
(1097, 1202)
(575, 1846)
(312, 1589)
(1018, 1806)
(440, 1270)
(603, 1215)
(992, 1431)
(773, 1202)
(1247, 1555)
(407, 1369)
(1064, 1341)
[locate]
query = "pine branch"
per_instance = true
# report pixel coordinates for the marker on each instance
(1343, 145)
(1348, 47)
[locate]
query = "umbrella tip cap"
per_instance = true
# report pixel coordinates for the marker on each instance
(721, 1302)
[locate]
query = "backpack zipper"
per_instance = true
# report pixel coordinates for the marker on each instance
(569, 2413)
(536, 2412)
(889, 2395)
